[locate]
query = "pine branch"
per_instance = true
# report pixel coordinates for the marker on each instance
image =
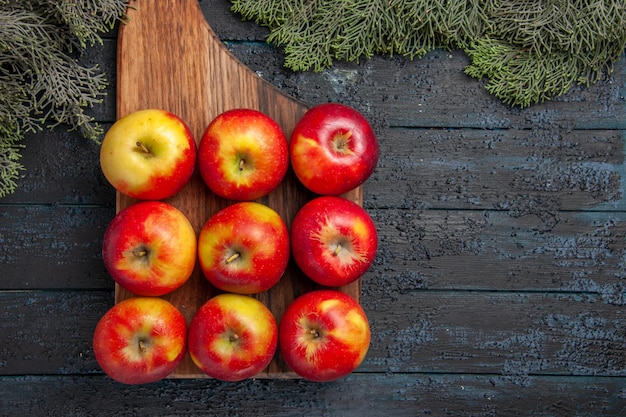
(530, 50)
(86, 20)
(316, 33)
(541, 49)
(519, 77)
(272, 13)
(9, 157)
(42, 85)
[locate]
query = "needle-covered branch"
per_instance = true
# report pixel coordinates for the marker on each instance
(529, 50)
(42, 84)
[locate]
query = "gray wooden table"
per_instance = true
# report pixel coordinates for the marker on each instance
(499, 287)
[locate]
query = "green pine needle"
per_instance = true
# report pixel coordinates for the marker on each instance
(42, 85)
(519, 77)
(9, 157)
(529, 50)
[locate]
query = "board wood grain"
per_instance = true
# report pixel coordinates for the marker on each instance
(169, 58)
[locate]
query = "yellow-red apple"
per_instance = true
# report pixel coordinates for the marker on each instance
(333, 149)
(140, 340)
(324, 335)
(150, 248)
(334, 240)
(243, 155)
(244, 248)
(232, 337)
(148, 155)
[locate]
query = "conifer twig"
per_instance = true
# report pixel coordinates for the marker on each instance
(42, 85)
(529, 50)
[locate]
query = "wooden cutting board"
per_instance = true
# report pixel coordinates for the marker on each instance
(169, 58)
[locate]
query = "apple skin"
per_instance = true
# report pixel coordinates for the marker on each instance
(324, 335)
(244, 248)
(148, 155)
(140, 340)
(232, 337)
(243, 155)
(335, 240)
(333, 149)
(150, 248)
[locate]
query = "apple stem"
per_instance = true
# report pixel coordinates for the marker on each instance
(142, 147)
(242, 164)
(233, 257)
(140, 252)
(314, 333)
(342, 141)
(337, 250)
(142, 346)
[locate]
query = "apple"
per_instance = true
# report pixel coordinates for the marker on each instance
(244, 248)
(324, 335)
(140, 340)
(148, 155)
(335, 240)
(333, 149)
(232, 337)
(150, 248)
(243, 155)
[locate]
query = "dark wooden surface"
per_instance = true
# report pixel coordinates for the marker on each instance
(499, 288)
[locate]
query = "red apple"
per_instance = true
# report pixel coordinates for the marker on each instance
(334, 240)
(148, 154)
(244, 248)
(149, 248)
(232, 337)
(243, 155)
(140, 340)
(324, 335)
(333, 149)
